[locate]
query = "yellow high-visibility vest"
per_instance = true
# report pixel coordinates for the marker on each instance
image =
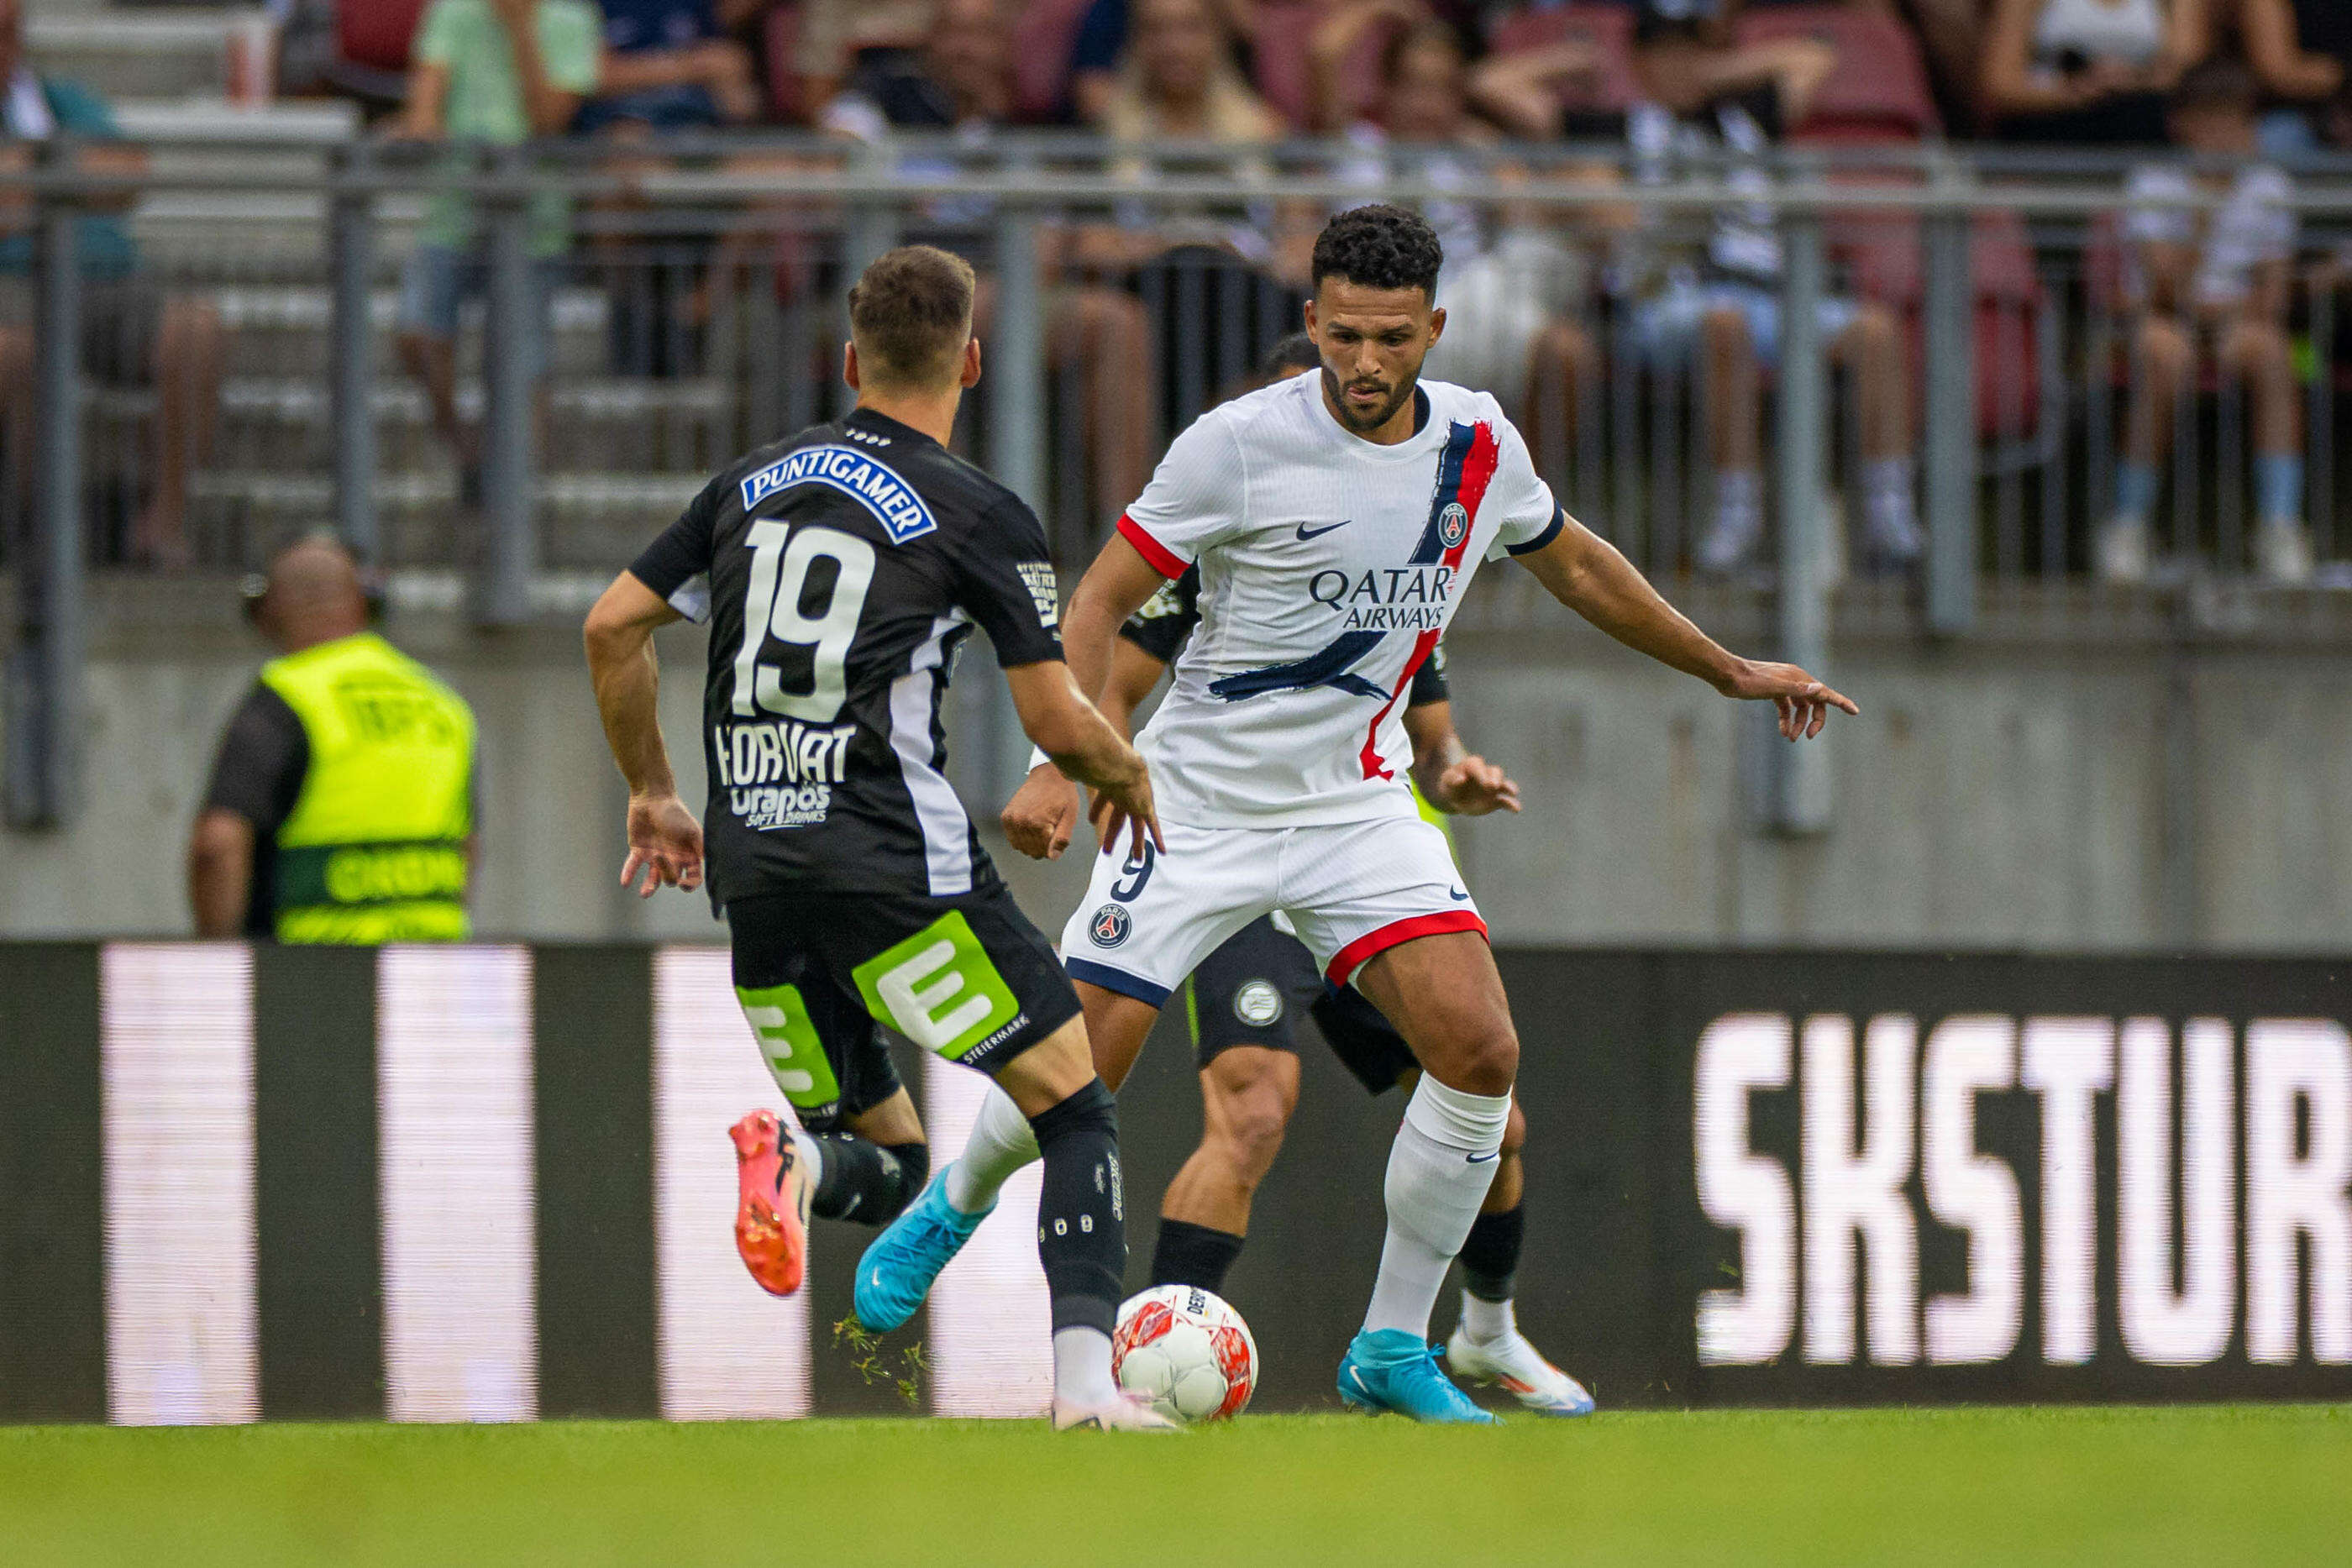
(376, 849)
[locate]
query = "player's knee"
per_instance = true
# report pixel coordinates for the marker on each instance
(1250, 1104)
(1255, 1129)
(1486, 1062)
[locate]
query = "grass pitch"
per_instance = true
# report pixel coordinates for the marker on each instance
(2204, 1485)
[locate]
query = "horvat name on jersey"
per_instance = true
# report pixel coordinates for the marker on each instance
(781, 775)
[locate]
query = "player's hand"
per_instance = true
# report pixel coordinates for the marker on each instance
(1804, 703)
(1043, 814)
(665, 844)
(1474, 787)
(1124, 816)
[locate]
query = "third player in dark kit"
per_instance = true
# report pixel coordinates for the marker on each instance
(840, 573)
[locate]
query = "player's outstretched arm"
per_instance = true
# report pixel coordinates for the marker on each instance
(1585, 573)
(665, 841)
(1043, 814)
(1067, 727)
(1451, 778)
(1114, 588)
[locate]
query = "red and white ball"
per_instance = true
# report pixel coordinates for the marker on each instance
(1186, 1351)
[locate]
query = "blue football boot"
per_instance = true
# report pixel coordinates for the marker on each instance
(1391, 1370)
(896, 1271)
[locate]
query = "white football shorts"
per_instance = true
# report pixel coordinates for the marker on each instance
(1351, 890)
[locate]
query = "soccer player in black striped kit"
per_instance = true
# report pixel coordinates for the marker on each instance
(840, 571)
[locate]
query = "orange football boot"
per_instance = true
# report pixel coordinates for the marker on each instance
(772, 1208)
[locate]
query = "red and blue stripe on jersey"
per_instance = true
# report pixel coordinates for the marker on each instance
(1463, 472)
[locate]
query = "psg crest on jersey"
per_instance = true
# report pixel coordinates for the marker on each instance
(1452, 523)
(1109, 927)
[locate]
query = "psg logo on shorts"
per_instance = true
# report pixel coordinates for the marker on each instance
(1109, 927)
(1452, 523)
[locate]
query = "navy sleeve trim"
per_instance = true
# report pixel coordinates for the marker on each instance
(1559, 521)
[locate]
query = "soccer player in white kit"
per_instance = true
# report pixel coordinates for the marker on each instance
(1337, 520)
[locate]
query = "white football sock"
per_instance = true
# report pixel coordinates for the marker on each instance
(1082, 1366)
(1439, 1170)
(1000, 1144)
(1486, 1322)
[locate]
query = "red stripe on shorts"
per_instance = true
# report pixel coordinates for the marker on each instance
(1356, 953)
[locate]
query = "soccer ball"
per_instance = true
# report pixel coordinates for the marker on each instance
(1185, 1351)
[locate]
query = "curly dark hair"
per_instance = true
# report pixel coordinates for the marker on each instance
(1379, 246)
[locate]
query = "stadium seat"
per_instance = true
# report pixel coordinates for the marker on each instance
(377, 35)
(1042, 38)
(1883, 260)
(1606, 29)
(1878, 92)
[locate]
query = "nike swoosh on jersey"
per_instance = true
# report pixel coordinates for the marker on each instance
(1456, 894)
(1305, 533)
(1479, 1159)
(1331, 667)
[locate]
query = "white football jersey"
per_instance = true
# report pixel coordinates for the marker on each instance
(1329, 566)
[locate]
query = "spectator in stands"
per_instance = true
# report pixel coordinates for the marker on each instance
(1951, 42)
(1101, 45)
(670, 64)
(2300, 51)
(842, 38)
(965, 86)
(502, 72)
(131, 329)
(2076, 71)
(2215, 284)
(1178, 83)
(1708, 100)
(1512, 282)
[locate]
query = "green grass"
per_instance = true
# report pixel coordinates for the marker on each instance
(2181, 1485)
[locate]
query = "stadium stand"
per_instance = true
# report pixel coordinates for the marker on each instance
(1607, 31)
(1879, 91)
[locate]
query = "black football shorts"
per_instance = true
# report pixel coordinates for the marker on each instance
(821, 975)
(1247, 992)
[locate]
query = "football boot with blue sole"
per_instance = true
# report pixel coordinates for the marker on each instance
(899, 1265)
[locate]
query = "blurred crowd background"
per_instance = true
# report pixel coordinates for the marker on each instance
(2153, 371)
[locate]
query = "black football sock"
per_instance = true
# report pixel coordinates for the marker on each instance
(1490, 1256)
(865, 1182)
(1081, 1212)
(1188, 1254)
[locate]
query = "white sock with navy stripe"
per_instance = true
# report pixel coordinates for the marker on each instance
(1439, 1170)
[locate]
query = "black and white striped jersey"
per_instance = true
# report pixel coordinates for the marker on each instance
(839, 572)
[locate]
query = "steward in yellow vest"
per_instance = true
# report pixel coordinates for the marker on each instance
(340, 807)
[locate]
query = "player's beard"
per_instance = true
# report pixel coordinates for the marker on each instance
(1335, 394)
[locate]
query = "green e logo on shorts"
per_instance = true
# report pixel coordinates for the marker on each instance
(938, 987)
(788, 1039)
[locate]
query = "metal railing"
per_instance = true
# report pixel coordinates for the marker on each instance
(697, 311)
